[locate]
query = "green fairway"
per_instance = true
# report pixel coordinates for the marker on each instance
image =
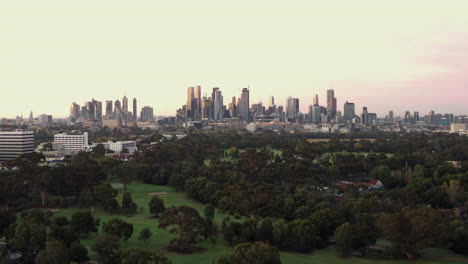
(141, 194)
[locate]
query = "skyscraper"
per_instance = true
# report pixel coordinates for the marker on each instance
(218, 106)
(316, 100)
(190, 101)
(109, 110)
(349, 111)
(197, 103)
(206, 106)
(213, 99)
(233, 109)
(146, 114)
(75, 110)
(124, 105)
(291, 108)
(135, 115)
(365, 116)
(271, 101)
(315, 114)
(331, 104)
(243, 110)
(117, 110)
(391, 117)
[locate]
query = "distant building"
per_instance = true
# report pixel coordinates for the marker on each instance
(78, 142)
(218, 106)
(331, 104)
(135, 115)
(146, 114)
(349, 111)
(120, 145)
(15, 143)
(243, 108)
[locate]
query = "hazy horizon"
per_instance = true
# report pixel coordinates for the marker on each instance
(398, 55)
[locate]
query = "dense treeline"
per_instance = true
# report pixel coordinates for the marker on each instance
(281, 190)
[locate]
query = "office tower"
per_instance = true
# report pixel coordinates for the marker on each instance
(296, 105)
(290, 109)
(390, 117)
(78, 142)
(338, 117)
(364, 116)
(432, 118)
(117, 110)
(407, 116)
(197, 103)
(233, 107)
(316, 100)
(331, 104)
(15, 143)
(31, 116)
(450, 118)
(215, 89)
(146, 114)
(75, 110)
(416, 116)
(91, 110)
(98, 105)
(271, 101)
(124, 105)
(135, 115)
(109, 110)
(244, 112)
(315, 114)
(349, 111)
(206, 106)
(44, 119)
(218, 106)
(84, 113)
(190, 103)
(280, 111)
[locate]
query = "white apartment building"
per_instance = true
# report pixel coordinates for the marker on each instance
(118, 146)
(15, 143)
(78, 142)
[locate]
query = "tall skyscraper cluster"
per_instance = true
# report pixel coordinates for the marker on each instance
(212, 108)
(92, 111)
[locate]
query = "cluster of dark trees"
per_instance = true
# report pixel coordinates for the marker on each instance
(279, 188)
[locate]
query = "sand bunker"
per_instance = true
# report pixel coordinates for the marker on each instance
(158, 193)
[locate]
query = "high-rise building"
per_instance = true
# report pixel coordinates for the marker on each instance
(291, 108)
(364, 116)
(190, 104)
(15, 143)
(146, 114)
(124, 105)
(44, 119)
(416, 116)
(135, 115)
(243, 109)
(197, 103)
(331, 104)
(109, 110)
(207, 106)
(391, 117)
(117, 110)
(233, 107)
(75, 110)
(314, 112)
(349, 111)
(316, 100)
(218, 106)
(271, 101)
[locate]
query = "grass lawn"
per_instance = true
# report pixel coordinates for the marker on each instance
(160, 239)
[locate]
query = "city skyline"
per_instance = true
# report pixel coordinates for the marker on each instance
(51, 56)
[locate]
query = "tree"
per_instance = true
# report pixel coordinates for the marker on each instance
(64, 234)
(54, 253)
(83, 223)
(414, 228)
(99, 150)
(118, 228)
(343, 238)
(7, 218)
(156, 205)
(265, 231)
(145, 234)
(126, 173)
(454, 190)
(141, 256)
(106, 247)
(104, 193)
(29, 235)
(128, 206)
(41, 180)
(78, 253)
(60, 221)
(258, 253)
(209, 211)
(183, 221)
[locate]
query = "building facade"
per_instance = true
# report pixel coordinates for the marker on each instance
(15, 143)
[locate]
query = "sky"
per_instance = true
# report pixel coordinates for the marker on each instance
(387, 55)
